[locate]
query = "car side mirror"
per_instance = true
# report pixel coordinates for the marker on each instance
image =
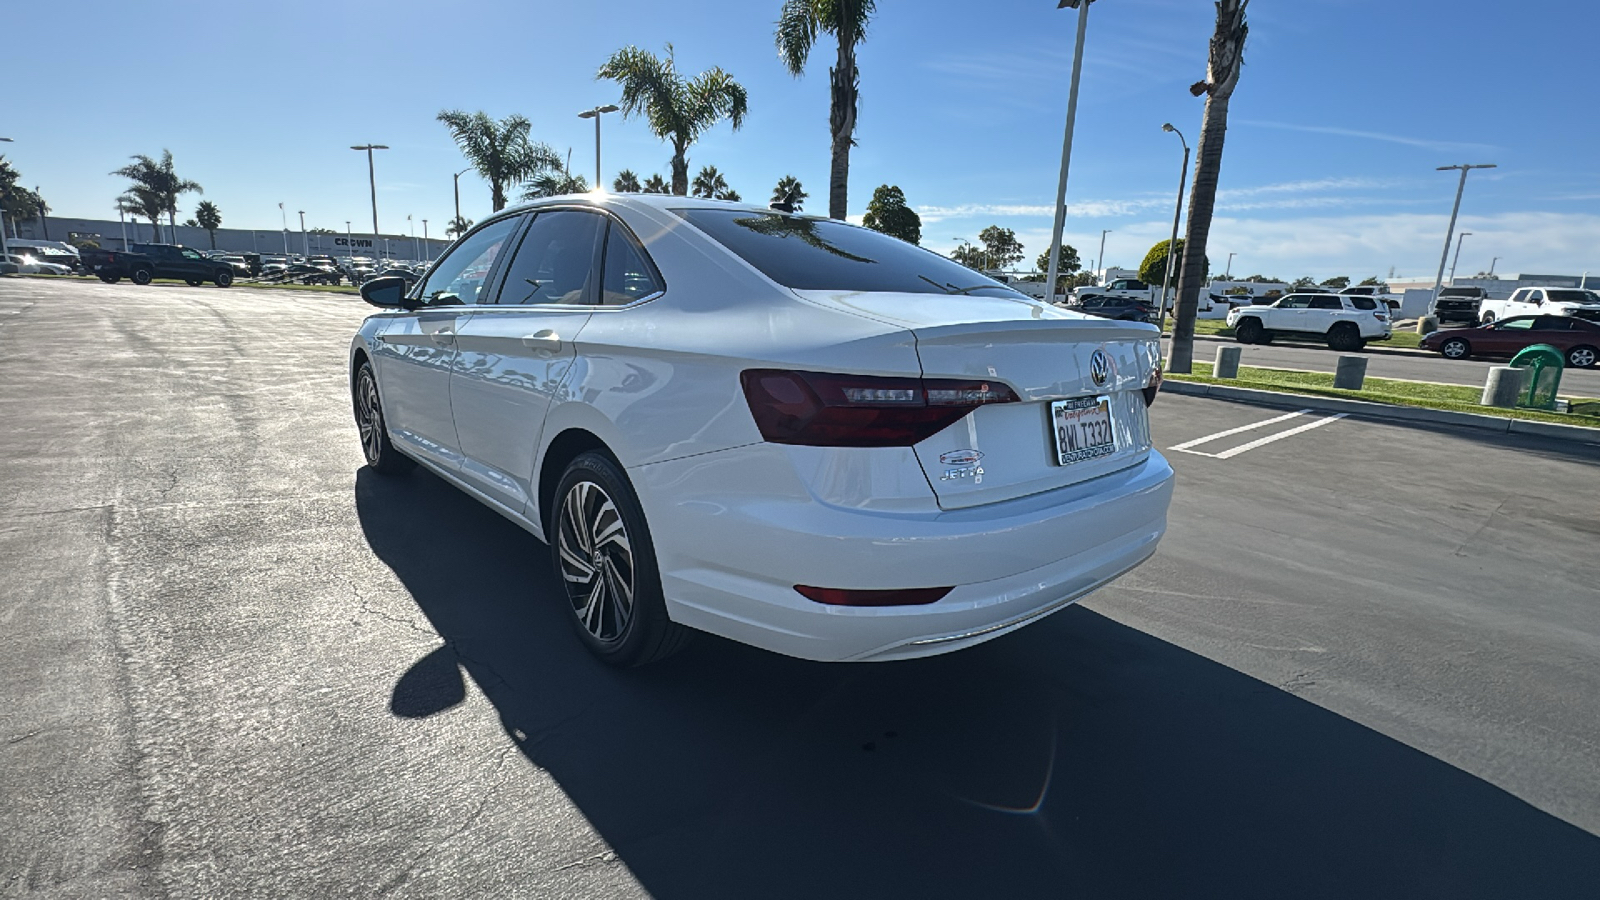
(388, 292)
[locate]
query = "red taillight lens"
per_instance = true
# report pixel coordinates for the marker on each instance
(1154, 387)
(846, 597)
(823, 409)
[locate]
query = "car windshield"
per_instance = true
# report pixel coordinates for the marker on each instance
(807, 253)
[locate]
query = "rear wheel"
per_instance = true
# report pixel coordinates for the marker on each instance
(1249, 331)
(224, 278)
(600, 546)
(1488, 318)
(111, 279)
(1345, 338)
(142, 276)
(1455, 348)
(1582, 357)
(375, 445)
(193, 282)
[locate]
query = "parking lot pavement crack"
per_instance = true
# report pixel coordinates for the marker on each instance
(368, 608)
(602, 858)
(497, 779)
(1487, 520)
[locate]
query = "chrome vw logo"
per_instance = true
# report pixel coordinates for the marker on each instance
(1099, 367)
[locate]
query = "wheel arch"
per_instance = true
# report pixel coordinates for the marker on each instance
(559, 453)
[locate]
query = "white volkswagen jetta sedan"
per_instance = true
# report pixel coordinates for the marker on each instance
(782, 429)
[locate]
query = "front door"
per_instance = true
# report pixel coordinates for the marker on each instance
(416, 353)
(514, 355)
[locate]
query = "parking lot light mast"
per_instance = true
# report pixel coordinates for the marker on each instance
(349, 244)
(1459, 238)
(372, 182)
(1103, 255)
(1227, 273)
(427, 249)
(1491, 265)
(1450, 233)
(595, 115)
(1082, 6)
(1177, 212)
(283, 214)
(305, 238)
(457, 180)
(5, 243)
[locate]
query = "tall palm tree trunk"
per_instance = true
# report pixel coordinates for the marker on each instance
(844, 81)
(1222, 75)
(680, 170)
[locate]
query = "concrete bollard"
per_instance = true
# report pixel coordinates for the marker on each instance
(1505, 387)
(1427, 325)
(1227, 364)
(1351, 374)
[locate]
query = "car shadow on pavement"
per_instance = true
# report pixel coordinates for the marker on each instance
(1077, 757)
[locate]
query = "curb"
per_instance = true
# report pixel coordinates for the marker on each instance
(1371, 347)
(1415, 414)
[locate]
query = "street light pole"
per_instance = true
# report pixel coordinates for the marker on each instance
(349, 244)
(1450, 232)
(285, 216)
(305, 237)
(1459, 238)
(458, 198)
(1082, 6)
(5, 243)
(372, 182)
(427, 249)
(1177, 211)
(1227, 272)
(595, 115)
(1103, 255)
(1491, 264)
(412, 227)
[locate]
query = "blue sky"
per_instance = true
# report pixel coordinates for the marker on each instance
(1343, 111)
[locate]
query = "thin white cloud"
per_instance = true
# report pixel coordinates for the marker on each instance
(1426, 143)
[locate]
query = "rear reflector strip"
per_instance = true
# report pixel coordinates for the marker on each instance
(846, 597)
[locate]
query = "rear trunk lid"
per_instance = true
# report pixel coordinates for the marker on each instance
(1079, 379)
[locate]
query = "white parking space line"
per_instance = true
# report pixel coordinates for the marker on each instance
(1259, 442)
(1232, 431)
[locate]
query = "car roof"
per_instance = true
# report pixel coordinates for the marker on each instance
(612, 199)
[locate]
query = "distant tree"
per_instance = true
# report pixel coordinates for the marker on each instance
(788, 190)
(799, 21)
(626, 182)
(1371, 281)
(678, 109)
(554, 184)
(1304, 281)
(191, 223)
(457, 227)
(1001, 246)
(209, 217)
(888, 213)
(1263, 279)
(141, 201)
(321, 231)
(1067, 264)
(15, 200)
(1154, 268)
(710, 185)
(968, 255)
(655, 184)
(1337, 281)
(1081, 279)
(157, 184)
(1487, 276)
(500, 150)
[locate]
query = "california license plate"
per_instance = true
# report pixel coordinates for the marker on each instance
(1082, 429)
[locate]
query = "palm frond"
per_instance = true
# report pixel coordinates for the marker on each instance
(796, 33)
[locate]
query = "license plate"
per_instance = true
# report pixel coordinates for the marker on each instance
(1082, 429)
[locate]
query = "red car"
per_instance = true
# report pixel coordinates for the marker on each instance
(1578, 338)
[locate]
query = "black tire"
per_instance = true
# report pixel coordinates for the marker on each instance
(1455, 348)
(142, 276)
(1249, 331)
(1345, 338)
(601, 551)
(224, 278)
(111, 279)
(1582, 357)
(380, 452)
(193, 282)
(1488, 318)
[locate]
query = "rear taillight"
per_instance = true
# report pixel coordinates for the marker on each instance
(824, 409)
(1154, 387)
(847, 597)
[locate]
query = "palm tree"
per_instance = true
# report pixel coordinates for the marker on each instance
(711, 185)
(209, 217)
(161, 183)
(788, 191)
(500, 151)
(1222, 75)
(679, 110)
(554, 184)
(139, 201)
(457, 227)
(798, 24)
(655, 184)
(626, 182)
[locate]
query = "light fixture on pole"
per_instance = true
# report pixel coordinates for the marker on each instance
(1229, 270)
(1459, 238)
(372, 181)
(595, 115)
(305, 237)
(1450, 233)
(457, 179)
(1103, 255)
(1082, 6)
(1177, 211)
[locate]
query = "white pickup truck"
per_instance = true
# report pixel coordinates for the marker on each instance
(1531, 301)
(1346, 322)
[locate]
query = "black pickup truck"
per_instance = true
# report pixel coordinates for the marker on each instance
(148, 262)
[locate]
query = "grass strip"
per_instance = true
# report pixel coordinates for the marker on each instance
(1426, 395)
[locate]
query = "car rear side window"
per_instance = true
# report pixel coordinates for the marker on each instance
(1364, 302)
(807, 253)
(628, 277)
(1326, 303)
(555, 261)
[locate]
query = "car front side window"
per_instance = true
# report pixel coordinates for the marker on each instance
(458, 278)
(555, 260)
(1516, 325)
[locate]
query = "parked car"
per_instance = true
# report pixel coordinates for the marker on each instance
(783, 429)
(1114, 307)
(1125, 288)
(308, 274)
(1458, 305)
(28, 264)
(1530, 301)
(56, 253)
(1345, 321)
(148, 262)
(1576, 337)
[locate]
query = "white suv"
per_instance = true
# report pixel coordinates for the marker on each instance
(1533, 301)
(1346, 322)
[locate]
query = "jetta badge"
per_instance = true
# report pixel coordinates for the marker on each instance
(1099, 367)
(960, 457)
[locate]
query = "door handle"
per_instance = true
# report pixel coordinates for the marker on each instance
(542, 340)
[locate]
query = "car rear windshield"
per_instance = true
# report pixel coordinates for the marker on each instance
(812, 254)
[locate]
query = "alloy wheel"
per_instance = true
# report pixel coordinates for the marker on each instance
(1453, 349)
(596, 561)
(1581, 358)
(370, 417)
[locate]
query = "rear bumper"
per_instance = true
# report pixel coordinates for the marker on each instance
(730, 556)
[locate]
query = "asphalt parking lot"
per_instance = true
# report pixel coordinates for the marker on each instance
(1364, 663)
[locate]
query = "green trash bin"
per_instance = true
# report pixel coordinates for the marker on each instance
(1545, 379)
